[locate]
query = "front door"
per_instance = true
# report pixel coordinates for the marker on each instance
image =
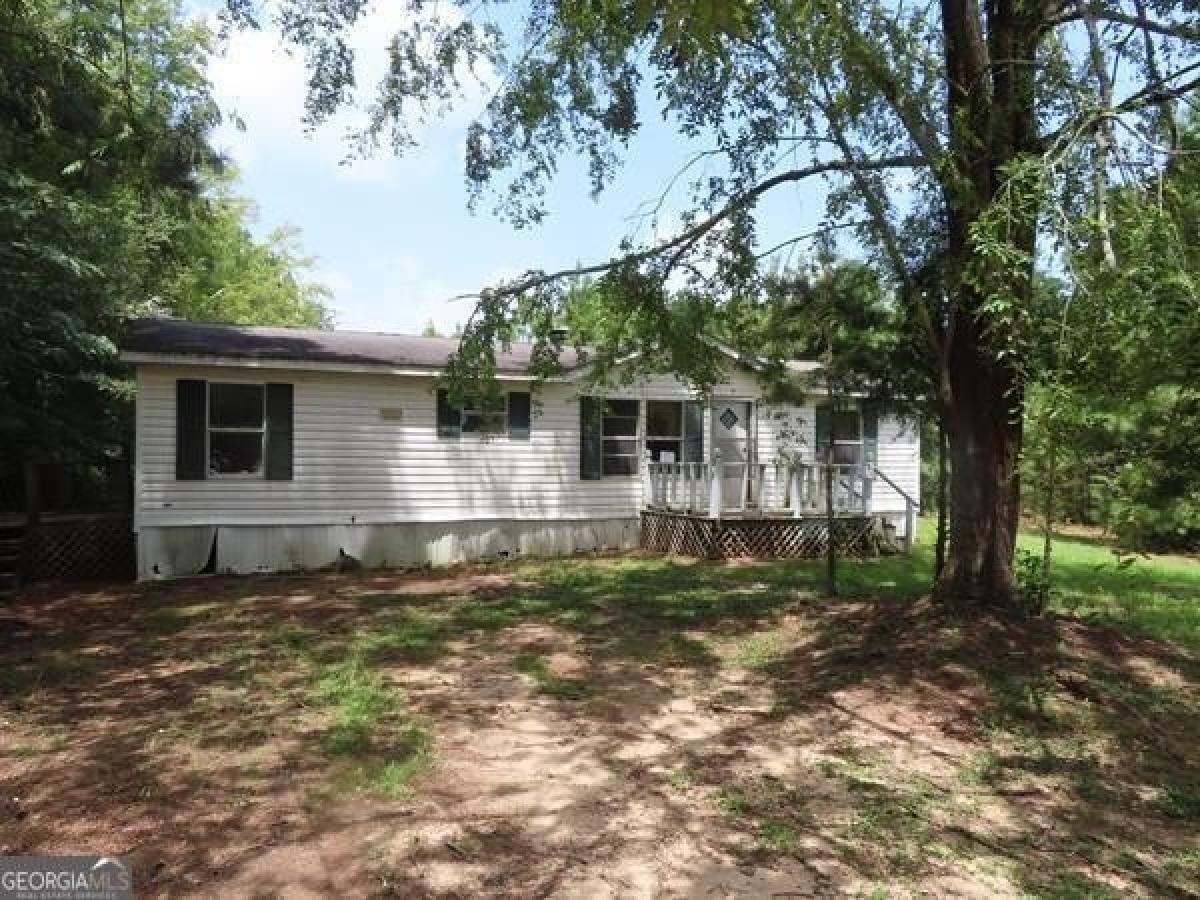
(733, 436)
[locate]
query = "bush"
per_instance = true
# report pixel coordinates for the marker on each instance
(1033, 582)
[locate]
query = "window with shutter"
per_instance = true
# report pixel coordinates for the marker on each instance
(507, 414)
(233, 430)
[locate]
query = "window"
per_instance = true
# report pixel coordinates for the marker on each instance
(675, 430)
(664, 430)
(619, 437)
(846, 427)
(236, 428)
(507, 414)
(488, 417)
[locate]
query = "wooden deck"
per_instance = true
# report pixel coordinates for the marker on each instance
(762, 537)
(737, 510)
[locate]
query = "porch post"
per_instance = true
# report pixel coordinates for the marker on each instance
(910, 525)
(797, 498)
(714, 489)
(647, 480)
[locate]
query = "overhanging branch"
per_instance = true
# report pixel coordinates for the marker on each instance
(1154, 94)
(693, 234)
(1181, 30)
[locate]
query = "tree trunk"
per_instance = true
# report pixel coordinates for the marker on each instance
(939, 554)
(991, 122)
(1050, 500)
(983, 425)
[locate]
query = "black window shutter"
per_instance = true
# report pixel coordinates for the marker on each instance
(279, 432)
(824, 429)
(449, 418)
(590, 441)
(518, 415)
(693, 431)
(191, 419)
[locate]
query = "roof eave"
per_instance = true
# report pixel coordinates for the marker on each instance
(137, 357)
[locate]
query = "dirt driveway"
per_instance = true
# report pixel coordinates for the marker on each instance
(594, 728)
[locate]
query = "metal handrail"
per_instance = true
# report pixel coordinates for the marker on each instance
(895, 487)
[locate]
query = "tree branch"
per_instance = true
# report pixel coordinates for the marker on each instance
(1154, 94)
(690, 235)
(1180, 30)
(1104, 141)
(1168, 112)
(809, 235)
(1160, 92)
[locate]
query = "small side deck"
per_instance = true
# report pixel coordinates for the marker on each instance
(777, 511)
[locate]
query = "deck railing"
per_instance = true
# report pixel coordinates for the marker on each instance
(766, 489)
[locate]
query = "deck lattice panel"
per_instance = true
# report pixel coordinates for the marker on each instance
(777, 538)
(85, 549)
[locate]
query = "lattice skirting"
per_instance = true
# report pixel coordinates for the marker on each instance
(684, 535)
(83, 549)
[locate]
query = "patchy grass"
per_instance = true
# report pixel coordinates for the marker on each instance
(760, 651)
(548, 683)
(870, 745)
(682, 779)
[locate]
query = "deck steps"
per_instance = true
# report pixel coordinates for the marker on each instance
(12, 541)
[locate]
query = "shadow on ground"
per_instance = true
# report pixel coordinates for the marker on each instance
(627, 726)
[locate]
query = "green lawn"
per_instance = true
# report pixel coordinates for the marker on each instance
(1154, 595)
(1157, 596)
(528, 727)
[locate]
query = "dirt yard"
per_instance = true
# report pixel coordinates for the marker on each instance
(593, 728)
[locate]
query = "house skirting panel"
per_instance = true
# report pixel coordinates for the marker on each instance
(242, 549)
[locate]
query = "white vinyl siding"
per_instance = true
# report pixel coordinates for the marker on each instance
(899, 451)
(355, 464)
(366, 450)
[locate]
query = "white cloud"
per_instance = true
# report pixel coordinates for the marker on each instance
(411, 296)
(259, 81)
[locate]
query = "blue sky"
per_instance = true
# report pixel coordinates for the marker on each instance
(393, 237)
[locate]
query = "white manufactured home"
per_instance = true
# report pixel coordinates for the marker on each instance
(269, 449)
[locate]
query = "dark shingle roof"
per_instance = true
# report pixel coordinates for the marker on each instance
(175, 337)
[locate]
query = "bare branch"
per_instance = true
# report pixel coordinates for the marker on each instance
(1104, 141)
(1181, 30)
(1156, 93)
(1168, 112)
(809, 235)
(691, 235)
(1160, 92)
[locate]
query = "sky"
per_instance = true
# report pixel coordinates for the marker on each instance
(393, 237)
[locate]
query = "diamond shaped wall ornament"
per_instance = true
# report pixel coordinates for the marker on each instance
(728, 418)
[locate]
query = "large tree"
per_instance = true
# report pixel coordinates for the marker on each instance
(945, 132)
(112, 205)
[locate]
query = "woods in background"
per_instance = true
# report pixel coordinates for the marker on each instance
(113, 203)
